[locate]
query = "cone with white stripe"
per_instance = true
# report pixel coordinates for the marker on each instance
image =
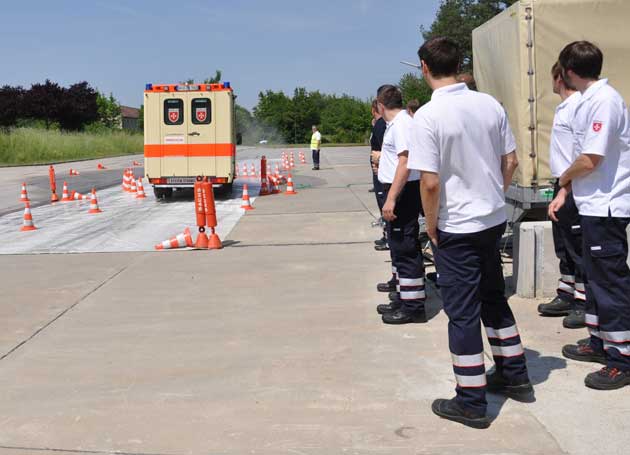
(244, 170)
(76, 196)
(290, 190)
(24, 194)
(65, 196)
(27, 223)
(179, 241)
(74, 172)
(302, 158)
(264, 189)
(246, 203)
(140, 193)
(252, 170)
(94, 203)
(274, 185)
(133, 189)
(136, 163)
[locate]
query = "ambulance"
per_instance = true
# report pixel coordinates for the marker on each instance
(189, 130)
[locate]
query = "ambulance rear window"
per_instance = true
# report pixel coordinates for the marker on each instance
(173, 111)
(201, 111)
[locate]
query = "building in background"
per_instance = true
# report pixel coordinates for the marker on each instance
(129, 118)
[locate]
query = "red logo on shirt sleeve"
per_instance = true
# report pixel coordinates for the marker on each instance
(597, 126)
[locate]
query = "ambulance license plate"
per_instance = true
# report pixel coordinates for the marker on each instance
(181, 180)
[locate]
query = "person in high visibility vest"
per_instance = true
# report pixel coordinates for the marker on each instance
(316, 142)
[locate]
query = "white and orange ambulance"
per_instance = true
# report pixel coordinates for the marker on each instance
(189, 130)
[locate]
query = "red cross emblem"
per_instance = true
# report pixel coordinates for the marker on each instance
(173, 115)
(201, 114)
(597, 126)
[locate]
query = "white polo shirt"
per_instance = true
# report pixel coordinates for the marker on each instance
(462, 135)
(602, 127)
(395, 142)
(561, 146)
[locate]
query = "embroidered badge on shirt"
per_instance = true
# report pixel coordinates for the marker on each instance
(597, 126)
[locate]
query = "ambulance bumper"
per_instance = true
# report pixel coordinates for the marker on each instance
(184, 185)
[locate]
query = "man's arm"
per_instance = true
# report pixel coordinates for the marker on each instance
(583, 165)
(400, 179)
(509, 163)
(430, 196)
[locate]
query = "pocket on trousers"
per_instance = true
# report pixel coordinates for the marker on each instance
(608, 263)
(607, 250)
(446, 280)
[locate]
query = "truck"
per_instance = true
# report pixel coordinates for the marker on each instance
(189, 131)
(512, 58)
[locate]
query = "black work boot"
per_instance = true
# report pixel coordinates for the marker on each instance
(607, 379)
(380, 242)
(388, 308)
(384, 247)
(583, 353)
(432, 277)
(557, 307)
(386, 287)
(393, 296)
(401, 316)
(520, 390)
(575, 320)
(451, 410)
(584, 341)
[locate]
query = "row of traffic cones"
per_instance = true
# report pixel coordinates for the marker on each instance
(131, 185)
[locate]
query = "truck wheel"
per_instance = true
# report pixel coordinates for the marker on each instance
(165, 193)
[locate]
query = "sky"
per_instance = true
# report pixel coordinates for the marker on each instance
(342, 47)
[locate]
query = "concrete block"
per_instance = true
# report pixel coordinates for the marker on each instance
(535, 264)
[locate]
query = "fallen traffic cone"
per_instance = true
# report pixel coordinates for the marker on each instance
(135, 163)
(78, 196)
(27, 224)
(133, 188)
(179, 241)
(94, 203)
(290, 189)
(65, 197)
(74, 172)
(246, 203)
(24, 194)
(140, 194)
(100, 167)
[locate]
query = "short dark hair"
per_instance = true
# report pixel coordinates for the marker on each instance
(391, 97)
(583, 58)
(441, 55)
(375, 104)
(413, 105)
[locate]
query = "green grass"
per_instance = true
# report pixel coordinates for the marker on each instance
(40, 146)
(308, 146)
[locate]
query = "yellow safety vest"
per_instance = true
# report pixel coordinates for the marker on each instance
(314, 141)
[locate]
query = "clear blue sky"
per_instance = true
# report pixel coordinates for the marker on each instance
(343, 46)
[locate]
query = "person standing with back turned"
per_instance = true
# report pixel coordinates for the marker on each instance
(316, 143)
(464, 147)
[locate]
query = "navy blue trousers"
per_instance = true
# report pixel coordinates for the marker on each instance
(404, 248)
(315, 154)
(567, 242)
(471, 281)
(608, 287)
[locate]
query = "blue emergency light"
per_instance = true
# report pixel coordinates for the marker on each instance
(148, 87)
(226, 84)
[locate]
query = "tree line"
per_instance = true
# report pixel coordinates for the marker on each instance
(73, 108)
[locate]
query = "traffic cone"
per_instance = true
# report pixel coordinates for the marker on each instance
(244, 170)
(246, 204)
(75, 196)
(24, 194)
(179, 241)
(274, 185)
(290, 189)
(202, 239)
(133, 188)
(302, 158)
(74, 172)
(100, 167)
(140, 194)
(214, 242)
(252, 170)
(135, 163)
(27, 224)
(94, 203)
(264, 189)
(65, 196)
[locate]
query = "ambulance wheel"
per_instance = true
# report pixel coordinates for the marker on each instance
(165, 193)
(227, 188)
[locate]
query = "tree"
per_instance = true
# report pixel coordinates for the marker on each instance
(457, 19)
(108, 110)
(141, 118)
(78, 107)
(11, 100)
(414, 87)
(43, 102)
(215, 79)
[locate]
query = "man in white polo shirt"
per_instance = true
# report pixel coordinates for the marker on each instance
(464, 147)
(401, 210)
(570, 300)
(600, 181)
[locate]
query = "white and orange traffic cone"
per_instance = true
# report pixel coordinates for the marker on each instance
(252, 170)
(65, 196)
(74, 172)
(27, 224)
(302, 158)
(133, 189)
(140, 193)
(290, 190)
(179, 241)
(136, 163)
(264, 189)
(24, 194)
(76, 196)
(244, 170)
(274, 185)
(94, 203)
(100, 167)
(247, 205)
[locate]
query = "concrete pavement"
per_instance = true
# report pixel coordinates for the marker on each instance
(270, 346)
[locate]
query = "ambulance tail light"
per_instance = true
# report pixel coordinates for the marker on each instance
(160, 181)
(220, 180)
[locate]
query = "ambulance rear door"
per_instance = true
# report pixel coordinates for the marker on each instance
(202, 134)
(174, 134)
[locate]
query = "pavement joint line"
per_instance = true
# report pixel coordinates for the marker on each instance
(251, 215)
(41, 329)
(367, 209)
(97, 452)
(252, 245)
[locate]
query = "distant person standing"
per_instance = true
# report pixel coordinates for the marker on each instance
(376, 143)
(316, 143)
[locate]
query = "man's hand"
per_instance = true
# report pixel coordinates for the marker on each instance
(432, 233)
(557, 204)
(388, 210)
(375, 157)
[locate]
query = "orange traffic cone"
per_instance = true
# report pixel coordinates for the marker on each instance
(94, 203)
(140, 194)
(274, 185)
(302, 158)
(65, 196)
(246, 204)
(74, 172)
(100, 167)
(202, 239)
(252, 170)
(179, 241)
(290, 189)
(75, 196)
(135, 163)
(27, 224)
(133, 188)
(214, 242)
(24, 194)
(264, 189)
(244, 170)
